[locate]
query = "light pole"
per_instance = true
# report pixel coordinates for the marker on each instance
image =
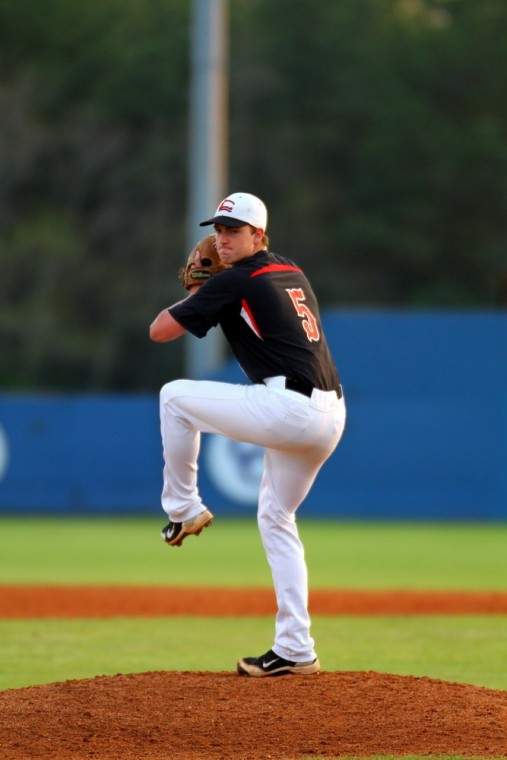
(208, 154)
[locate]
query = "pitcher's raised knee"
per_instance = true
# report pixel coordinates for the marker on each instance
(174, 389)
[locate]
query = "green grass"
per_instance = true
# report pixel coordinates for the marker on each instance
(339, 555)
(465, 649)
(468, 649)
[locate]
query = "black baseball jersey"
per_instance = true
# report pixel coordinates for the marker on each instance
(270, 318)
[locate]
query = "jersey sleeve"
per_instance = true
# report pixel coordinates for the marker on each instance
(204, 310)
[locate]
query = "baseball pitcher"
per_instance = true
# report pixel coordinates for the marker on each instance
(293, 405)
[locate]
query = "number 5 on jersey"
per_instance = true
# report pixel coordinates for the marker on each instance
(309, 322)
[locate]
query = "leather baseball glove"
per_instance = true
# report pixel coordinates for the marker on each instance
(203, 262)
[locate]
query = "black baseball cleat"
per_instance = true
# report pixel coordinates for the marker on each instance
(270, 664)
(174, 533)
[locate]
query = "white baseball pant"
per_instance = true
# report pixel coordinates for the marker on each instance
(298, 433)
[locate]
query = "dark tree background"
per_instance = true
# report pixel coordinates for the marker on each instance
(375, 130)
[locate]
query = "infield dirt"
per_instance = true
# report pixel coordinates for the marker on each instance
(191, 715)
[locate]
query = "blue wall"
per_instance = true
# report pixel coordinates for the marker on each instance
(426, 434)
(71, 454)
(427, 395)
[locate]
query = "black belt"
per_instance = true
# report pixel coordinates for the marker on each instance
(302, 386)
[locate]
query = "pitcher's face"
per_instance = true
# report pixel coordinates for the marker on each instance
(236, 243)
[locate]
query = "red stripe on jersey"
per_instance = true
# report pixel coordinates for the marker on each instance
(276, 268)
(247, 315)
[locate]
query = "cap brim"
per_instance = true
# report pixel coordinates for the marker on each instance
(227, 221)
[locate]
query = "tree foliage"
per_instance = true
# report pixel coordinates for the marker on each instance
(376, 131)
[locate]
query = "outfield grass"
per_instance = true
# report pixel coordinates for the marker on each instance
(342, 555)
(339, 555)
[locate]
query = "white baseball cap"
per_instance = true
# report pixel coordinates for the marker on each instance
(239, 209)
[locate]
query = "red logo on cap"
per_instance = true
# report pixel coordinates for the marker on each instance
(226, 205)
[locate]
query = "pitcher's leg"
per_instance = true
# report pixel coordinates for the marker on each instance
(180, 444)
(288, 476)
(245, 413)
(188, 407)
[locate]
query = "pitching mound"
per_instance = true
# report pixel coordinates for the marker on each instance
(221, 715)
(211, 716)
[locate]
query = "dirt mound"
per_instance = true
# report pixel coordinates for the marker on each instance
(194, 715)
(220, 715)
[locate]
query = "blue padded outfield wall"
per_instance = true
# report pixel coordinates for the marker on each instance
(426, 436)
